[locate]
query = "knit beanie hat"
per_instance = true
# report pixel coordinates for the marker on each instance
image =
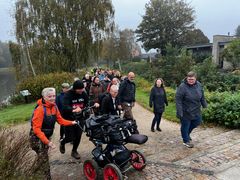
(78, 85)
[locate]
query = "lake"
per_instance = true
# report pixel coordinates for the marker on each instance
(7, 84)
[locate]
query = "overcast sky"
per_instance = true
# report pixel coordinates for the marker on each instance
(212, 16)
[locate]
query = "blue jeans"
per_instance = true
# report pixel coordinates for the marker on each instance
(187, 126)
(156, 119)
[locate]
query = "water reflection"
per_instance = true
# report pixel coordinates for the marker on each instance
(7, 84)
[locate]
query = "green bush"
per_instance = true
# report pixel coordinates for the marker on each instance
(36, 84)
(223, 109)
(146, 86)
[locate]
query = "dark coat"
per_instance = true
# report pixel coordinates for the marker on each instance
(158, 99)
(71, 100)
(127, 91)
(189, 99)
(107, 106)
(59, 101)
(95, 91)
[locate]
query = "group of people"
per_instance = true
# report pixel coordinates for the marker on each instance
(109, 93)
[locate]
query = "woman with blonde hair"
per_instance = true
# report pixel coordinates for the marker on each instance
(45, 115)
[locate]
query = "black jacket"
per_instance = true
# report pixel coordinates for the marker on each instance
(107, 105)
(72, 100)
(158, 99)
(127, 91)
(189, 99)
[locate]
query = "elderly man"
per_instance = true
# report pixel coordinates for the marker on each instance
(110, 103)
(127, 92)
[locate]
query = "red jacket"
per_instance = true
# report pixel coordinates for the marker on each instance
(38, 116)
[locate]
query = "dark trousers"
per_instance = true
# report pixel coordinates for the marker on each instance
(72, 134)
(187, 126)
(62, 131)
(156, 120)
(41, 166)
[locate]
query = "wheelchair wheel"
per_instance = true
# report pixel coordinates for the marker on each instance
(91, 169)
(112, 172)
(137, 160)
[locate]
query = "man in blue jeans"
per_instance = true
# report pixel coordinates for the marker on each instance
(189, 99)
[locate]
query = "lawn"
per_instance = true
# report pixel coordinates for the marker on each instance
(170, 111)
(22, 113)
(16, 114)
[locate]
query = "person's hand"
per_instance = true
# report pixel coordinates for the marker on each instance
(77, 110)
(96, 105)
(119, 107)
(51, 145)
(74, 122)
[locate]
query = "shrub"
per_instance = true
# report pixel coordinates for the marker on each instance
(146, 87)
(36, 84)
(223, 109)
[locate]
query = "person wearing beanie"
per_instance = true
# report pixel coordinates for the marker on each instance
(59, 103)
(74, 100)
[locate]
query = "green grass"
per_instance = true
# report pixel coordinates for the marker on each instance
(170, 110)
(16, 114)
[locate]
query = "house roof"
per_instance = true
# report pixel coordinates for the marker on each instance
(200, 46)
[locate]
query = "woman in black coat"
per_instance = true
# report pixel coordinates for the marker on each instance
(158, 99)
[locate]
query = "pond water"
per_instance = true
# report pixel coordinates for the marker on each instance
(7, 84)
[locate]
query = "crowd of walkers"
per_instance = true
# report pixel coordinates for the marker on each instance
(108, 93)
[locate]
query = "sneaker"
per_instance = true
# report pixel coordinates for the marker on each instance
(188, 144)
(62, 147)
(158, 129)
(75, 155)
(190, 139)
(152, 130)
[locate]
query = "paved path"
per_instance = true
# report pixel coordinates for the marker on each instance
(216, 154)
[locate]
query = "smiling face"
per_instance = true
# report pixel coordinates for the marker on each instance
(158, 83)
(191, 80)
(49, 94)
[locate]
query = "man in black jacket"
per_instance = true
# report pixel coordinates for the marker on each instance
(189, 99)
(127, 92)
(110, 103)
(74, 101)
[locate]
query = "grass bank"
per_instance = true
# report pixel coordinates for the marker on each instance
(16, 114)
(142, 98)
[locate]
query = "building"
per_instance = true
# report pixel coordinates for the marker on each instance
(214, 49)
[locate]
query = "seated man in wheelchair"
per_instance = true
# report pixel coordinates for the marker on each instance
(109, 102)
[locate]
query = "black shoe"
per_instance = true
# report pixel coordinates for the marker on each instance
(158, 129)
(152, 130)
(188, 144)
(75, 155)
(62, 147)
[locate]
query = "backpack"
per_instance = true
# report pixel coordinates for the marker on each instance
(44, 111)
